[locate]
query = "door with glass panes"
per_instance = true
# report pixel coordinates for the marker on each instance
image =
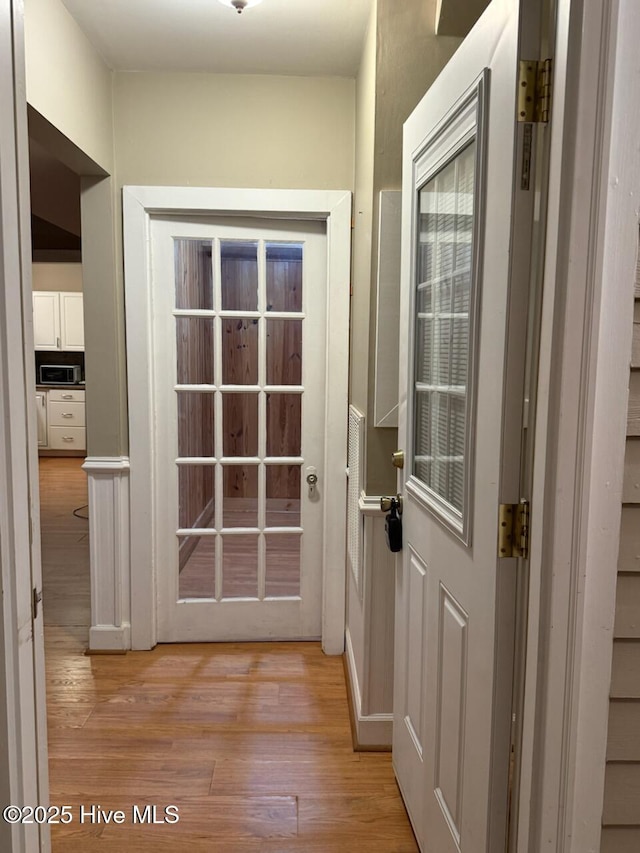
(239, 322)
(468, 207)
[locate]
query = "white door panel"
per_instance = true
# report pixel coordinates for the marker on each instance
(466, 233)
(239, 373)
(46, 321)
(72, 321)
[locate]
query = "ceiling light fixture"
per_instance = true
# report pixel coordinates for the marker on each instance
(240, 5)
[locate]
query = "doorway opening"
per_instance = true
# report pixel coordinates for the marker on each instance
(59, 367)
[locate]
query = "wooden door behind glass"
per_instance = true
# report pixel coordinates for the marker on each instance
(239, 347)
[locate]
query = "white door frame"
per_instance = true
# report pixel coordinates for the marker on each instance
(23, 734)
(333, 206)
(591, 249)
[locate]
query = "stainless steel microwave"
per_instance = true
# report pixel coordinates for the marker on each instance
(59, 374)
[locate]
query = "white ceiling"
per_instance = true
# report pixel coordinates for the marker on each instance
(290, 37)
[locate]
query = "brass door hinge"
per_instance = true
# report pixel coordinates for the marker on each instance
(534, 90)
(513, 530)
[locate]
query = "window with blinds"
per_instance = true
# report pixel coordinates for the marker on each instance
(444, 282)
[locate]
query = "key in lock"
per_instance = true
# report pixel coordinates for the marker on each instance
(393, 522)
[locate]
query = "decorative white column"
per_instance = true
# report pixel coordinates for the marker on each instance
(108, 483)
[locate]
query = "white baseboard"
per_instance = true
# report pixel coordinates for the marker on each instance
(108, 485)
(372, 730)
(104, 638)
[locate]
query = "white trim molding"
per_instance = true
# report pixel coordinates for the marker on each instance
(370, 504)
(370, 633)
(23, 726)
(333, 207)
(586, 330)
(372, 730)
(108, 485)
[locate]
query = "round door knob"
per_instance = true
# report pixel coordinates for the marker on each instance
(312, 479)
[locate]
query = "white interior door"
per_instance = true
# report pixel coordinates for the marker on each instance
(467, 203)
(238, 337)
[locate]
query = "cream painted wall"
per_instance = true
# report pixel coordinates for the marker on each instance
(67, 82)
(401, 57)
(409, 58)
(363, 217)
(234, 130)
(67, 277)
(361, 287)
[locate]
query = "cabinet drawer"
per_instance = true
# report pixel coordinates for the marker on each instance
(63, 395)
(66, 414)
(67, 438)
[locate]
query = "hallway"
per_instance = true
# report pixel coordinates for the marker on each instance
(250, 741)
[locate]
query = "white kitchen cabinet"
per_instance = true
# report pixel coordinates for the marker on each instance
(66, 395)
(58, 321)
(41, 417)
(66, 414)
(67, 438)
(46, 320)
(61, 419)
(72, 321)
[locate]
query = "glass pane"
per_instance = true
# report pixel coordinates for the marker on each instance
(195, 423)
(240, 490)
(283, 565)
(284, 276)
(240, 566)
(196, 495)
(284, 352)
(196, 559)
(240, 351)
(194, 276)
(239, 276)
(194, 340)
(239, 424)
(442, 328)
(284, 423)
(283, 495)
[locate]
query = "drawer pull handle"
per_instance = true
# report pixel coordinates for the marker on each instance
(67, 414)
(67, 396)
(67, 438)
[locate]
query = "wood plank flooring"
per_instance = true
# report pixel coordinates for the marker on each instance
(65, 542)
(250, 741)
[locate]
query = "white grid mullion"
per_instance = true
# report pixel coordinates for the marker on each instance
(456, 187)
(434, 399)
(193, 312)
(285, 530)
(198, 388)
(284, 389)
(196, 531)
(239, 531)
(218, 449)
(262, 417)
(241, 389)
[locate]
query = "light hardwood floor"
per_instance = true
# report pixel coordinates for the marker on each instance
(250, 741)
